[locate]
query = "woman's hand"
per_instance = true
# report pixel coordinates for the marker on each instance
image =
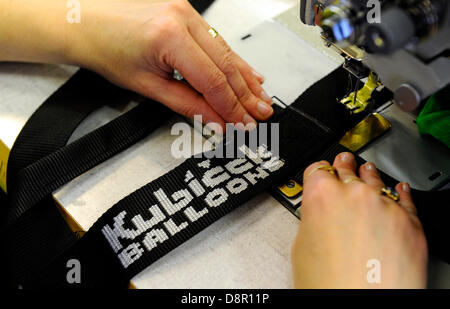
(138, 45)
(347, 224)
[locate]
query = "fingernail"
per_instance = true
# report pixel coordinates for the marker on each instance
(369, 167)
(346, 157)
(406, 188)
(264, 109)
(266, 97)
(259, 76)
(248, 120)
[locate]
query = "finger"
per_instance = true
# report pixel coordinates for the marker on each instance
(407, 203)
(369, 174)
(171, 93)
(249, 75)
(259, 76)
(345, 165)
(248, 68)
(210, 81)
(222, 55)
(313, 174)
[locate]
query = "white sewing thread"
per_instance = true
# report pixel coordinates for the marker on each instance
(238, 166)
(237, 185)
(173, 228)
(205, 164)
(193, 215)
(131, 254)
(182, 199)
(251, 177)
(212, 178)
(197, 188)
(153, 237)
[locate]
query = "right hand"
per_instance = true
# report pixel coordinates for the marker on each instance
(138, 44)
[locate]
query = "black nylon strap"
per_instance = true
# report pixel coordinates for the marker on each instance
(51, 126)
(48, 129)
(49, 173)
(30, 234)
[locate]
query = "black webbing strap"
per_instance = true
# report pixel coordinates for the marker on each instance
(47, 130)
(51, 172)
(159, 217)
(51, 126)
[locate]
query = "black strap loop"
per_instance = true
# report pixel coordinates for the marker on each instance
(43, 139)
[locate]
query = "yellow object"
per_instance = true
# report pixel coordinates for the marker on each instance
(291, 189)
(366, 131)
(352, 179)
(359, 102)
(213, 32)
(4, 155)
(393, 195)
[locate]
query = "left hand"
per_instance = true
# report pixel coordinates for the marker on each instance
(139, 44)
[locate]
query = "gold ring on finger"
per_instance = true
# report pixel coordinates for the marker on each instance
(326, 168)
(213, 32)
(390, 193)
(351, 179)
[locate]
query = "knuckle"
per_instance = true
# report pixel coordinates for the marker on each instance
(364, 194)
(313, 166)
(167, 28)
(232, 111)
(226, 64)
(401, 218)
(178, 6)
(187, 110)
(320, 187)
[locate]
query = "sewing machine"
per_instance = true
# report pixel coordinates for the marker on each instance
(405, 42)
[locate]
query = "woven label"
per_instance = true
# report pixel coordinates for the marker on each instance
(206, 187)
